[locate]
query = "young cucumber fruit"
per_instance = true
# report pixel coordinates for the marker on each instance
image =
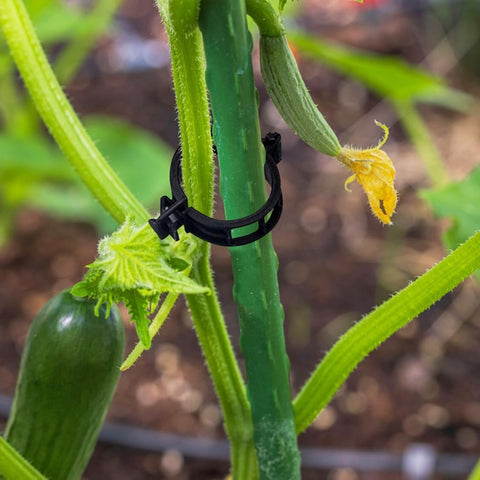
(286, 88)
(68, 374)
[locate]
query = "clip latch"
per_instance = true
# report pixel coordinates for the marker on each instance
(175, 212)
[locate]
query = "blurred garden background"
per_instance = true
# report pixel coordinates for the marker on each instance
(413, 65)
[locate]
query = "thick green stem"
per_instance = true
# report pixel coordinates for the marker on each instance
(188, 68)
(13, 466)
(216, 347)
(60, 118)
(380, 324)
(237, 136)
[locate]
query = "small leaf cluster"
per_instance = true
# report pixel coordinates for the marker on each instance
(135, 267)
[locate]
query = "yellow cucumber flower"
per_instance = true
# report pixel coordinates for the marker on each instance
(375, 172)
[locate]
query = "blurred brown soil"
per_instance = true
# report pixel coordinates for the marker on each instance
(336, 263)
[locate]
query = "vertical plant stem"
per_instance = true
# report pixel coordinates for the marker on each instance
(267, 18)
(188, 70)
(188, 66)
(217, 348)
(237, 136)
(13, 466)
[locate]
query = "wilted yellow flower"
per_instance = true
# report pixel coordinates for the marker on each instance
(375, 172)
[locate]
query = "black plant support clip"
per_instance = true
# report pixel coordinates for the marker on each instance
(175, 212)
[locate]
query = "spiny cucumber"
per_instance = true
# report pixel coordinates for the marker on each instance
(288, 91)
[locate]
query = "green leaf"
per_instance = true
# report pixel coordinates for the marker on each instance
(36, 7)
(137, 307)
(57, 23)
(33, 157)
(459, 203)
(133, 266)
(139, 156)
(141, 160)
(24, 163)
(33, 171)
(387, 76)
(282, 4)
(55, 20)
(133, 258)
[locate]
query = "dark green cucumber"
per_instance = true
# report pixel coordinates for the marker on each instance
(68, 374)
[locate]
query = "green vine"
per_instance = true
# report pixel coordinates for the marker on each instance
(188, 69)
(267, 19)
(380, 324)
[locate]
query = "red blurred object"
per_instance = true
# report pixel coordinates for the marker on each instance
(294, 51)
(366, 4)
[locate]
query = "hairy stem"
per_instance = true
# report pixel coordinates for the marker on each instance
(153, 329)
(224, 370)
(241, 157)
(188, 69)
(380, 324)
(13, 466)
(188, 66)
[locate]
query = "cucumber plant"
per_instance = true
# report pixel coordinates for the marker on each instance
(133, 266)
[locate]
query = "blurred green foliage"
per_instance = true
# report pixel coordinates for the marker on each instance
(387, 76)
(140, 159)
(459, 202)
(33, 171)
(460, 23)
(401, 84)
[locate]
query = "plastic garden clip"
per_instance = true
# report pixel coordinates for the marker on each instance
(175, 212)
